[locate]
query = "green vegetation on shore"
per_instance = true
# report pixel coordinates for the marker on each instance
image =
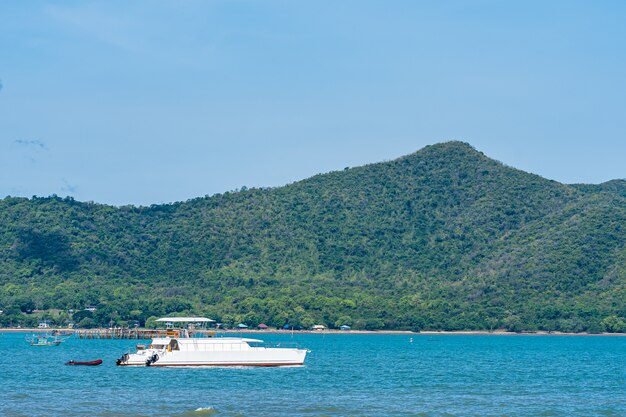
(442, 239)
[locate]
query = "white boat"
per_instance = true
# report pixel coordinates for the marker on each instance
(177, 348)
(44, 340)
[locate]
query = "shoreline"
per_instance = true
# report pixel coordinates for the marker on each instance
(349, 332)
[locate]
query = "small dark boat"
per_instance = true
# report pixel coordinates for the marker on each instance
(89, 363)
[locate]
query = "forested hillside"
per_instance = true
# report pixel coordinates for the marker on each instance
(444, 238)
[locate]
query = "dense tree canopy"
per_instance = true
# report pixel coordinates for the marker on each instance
(445, 238)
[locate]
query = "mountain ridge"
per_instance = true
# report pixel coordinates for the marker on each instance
(435, 239)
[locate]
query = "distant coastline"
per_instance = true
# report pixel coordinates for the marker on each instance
(365, 332)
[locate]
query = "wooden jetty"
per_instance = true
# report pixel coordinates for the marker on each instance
(140, 334)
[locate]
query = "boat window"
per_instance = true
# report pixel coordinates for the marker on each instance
(141, 347)
(174, 345)
(156, 346)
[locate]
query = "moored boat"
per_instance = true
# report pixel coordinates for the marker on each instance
(179, 349)
(88, 363)
(44, 340)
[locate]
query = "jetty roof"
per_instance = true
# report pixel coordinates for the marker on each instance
(186, 320)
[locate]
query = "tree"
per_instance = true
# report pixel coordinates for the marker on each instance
(614, 324)
(82, 314)
(87, 323)
(343, 320)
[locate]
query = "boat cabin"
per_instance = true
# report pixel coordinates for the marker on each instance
(183, 327)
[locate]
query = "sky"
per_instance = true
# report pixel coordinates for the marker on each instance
(150, 102)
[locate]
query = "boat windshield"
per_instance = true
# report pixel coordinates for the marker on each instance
(156, 346)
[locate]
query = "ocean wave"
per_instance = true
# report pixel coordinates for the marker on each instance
(201, 411)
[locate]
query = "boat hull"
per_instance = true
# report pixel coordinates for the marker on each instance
(89, 363)
(226, 351)
(264, 357)
(269, 365)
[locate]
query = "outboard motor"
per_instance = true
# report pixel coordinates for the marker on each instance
(122, 360)
(152, 359)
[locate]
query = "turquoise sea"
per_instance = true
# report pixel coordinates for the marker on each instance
(344, 375)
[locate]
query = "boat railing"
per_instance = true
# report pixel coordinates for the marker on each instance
(183, 333)
(274, 345)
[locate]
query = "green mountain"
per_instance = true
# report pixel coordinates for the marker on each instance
(444, 238)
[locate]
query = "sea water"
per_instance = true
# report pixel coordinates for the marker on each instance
(344, 375)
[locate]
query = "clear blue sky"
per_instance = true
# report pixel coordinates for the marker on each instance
(142, 102)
